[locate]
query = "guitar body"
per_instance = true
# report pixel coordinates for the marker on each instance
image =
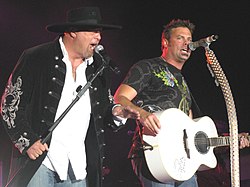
(175, 154)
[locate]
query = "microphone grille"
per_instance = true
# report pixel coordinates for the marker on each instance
(99, 48)
(191, 46)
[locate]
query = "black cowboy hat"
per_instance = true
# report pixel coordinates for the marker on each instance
(81, 19)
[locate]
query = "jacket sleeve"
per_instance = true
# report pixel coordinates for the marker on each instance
(15, 105)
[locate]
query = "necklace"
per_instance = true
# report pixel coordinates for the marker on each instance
(163, 59)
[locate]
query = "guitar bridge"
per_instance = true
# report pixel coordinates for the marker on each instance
(185, 137)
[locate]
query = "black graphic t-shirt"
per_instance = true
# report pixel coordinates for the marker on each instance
(159, 86)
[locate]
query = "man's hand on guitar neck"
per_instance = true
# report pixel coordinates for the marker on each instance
(244, 142)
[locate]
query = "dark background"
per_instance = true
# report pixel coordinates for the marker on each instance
(22, 25)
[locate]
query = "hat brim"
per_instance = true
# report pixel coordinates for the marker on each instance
(67, 27)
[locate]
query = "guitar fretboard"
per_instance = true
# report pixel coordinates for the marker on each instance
(221, 141)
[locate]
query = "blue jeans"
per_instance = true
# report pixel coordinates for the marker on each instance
(45, 177)
(192, 182)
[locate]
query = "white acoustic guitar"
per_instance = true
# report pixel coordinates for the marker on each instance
(182, 146)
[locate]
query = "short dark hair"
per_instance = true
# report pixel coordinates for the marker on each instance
(166, 33)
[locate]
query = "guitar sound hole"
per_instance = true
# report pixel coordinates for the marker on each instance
(201, 142)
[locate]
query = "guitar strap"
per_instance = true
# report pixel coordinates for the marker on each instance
(196, 107)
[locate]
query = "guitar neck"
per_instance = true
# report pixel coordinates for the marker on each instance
(221, 141)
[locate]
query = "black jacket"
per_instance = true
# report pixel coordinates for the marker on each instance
(30, 102)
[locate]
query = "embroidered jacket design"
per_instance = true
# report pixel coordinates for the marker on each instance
(21, 143)
(111, 97)
(11, 101)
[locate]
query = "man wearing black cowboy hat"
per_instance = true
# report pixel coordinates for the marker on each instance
(43, 84)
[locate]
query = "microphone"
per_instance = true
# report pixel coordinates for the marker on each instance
(204, 42)
(99, 49)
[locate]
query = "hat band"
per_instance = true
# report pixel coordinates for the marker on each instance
(89, 21)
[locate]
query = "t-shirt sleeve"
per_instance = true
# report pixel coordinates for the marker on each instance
(138, 76)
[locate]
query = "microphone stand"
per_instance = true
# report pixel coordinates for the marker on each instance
(78, 96)
(55, 124)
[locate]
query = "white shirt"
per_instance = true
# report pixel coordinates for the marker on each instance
(67, 142)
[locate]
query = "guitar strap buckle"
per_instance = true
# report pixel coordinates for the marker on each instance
(146, 146)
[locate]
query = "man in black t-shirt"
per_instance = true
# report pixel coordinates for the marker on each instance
(157, 84)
